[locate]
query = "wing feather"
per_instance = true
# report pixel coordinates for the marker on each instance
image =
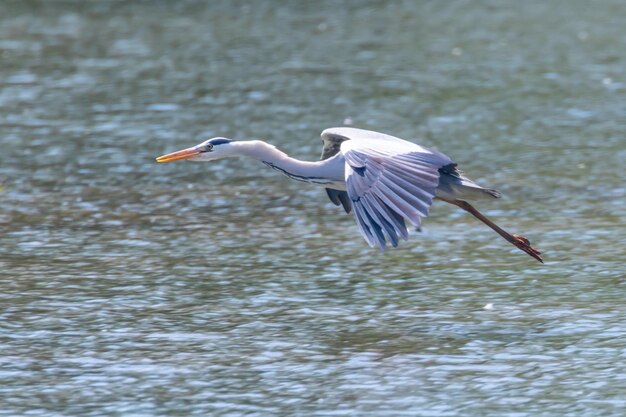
(369, 229)
(418, 198)
(398, 207)
(389, 181)
(378, 215)
(332, 144)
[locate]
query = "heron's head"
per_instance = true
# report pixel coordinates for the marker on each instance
(209, 150)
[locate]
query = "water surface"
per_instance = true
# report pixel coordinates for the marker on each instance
(130, 288)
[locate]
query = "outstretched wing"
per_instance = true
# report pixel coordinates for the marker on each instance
(388, 180)
(332, 144)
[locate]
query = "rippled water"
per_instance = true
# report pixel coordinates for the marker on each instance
(135, 288)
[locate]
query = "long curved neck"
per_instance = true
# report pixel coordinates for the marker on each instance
(320, 172)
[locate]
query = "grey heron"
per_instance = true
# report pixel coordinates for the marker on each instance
(384, 180)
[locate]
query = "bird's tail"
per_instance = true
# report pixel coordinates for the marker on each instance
(492, 192)
(454, 185)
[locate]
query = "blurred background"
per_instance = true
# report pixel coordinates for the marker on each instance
(130, 288)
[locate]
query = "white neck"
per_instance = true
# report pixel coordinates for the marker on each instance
(327, 172)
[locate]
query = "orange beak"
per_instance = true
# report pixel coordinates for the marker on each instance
(178, 156)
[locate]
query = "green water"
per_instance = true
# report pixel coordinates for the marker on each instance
(130, 288)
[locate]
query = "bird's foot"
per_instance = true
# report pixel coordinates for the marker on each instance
(524, 244)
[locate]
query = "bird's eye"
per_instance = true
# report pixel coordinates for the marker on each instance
(208, 147)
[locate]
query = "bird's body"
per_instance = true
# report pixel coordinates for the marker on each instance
(384, 180)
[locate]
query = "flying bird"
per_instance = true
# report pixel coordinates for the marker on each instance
(385, 181)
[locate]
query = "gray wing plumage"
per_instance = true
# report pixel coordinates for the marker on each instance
(388, 180)
(332, 144)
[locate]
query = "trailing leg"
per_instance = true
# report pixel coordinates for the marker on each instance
(519, 241)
